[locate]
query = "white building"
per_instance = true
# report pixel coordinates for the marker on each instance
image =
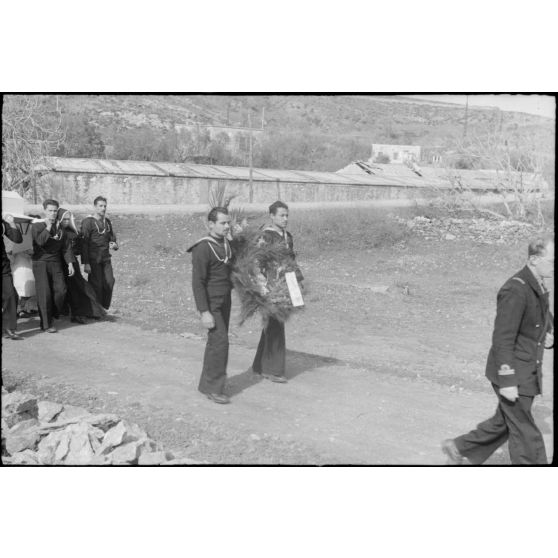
(395, 153)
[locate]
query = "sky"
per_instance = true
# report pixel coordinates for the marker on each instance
(541, 105)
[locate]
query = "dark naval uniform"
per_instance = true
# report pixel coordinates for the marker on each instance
(271, 353)
(523, 319)
(211, 283)
(50, 251)
(95, 251)
(9, 294)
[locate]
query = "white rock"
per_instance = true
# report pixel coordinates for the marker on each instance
(126, 454)
(25, 457)
(49, 411)
(54, 447)
(17, 402)
(22, 436)
(120, 434)
(72, 412)
(80, 450)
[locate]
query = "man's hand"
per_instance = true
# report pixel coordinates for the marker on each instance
(86, 268)
(207, 319)
(113, 245)
(549, 341)
(510, 393)
(9, 219)
(70, 269)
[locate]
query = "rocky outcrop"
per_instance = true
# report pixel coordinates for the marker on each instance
(47, 433)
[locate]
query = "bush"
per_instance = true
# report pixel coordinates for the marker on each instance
(336, 229)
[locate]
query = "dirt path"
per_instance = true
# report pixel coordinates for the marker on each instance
(329, 412)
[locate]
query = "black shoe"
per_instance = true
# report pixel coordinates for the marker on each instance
(453, 454)
(13, 335)
(79, 320)
(218, 398)
(276, 379)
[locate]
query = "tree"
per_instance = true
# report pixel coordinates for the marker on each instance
(82, 138)
(518, 172)
(31, 130)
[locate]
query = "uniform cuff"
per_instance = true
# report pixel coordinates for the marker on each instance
(506, 377)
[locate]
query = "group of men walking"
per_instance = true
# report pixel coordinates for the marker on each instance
(523, 326)
(56, 245)
(523, 329)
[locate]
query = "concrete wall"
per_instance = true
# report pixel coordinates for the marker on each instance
(82, 188)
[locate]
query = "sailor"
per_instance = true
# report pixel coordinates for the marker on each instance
(211, 283)
(269, 361)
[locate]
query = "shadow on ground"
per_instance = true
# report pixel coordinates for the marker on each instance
(297, 363)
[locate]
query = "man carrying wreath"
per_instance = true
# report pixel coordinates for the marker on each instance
(269, 361)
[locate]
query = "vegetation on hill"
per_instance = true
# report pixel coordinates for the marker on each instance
(307, 132)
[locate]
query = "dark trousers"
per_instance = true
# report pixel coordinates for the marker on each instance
(9, 303)
(214, 371)
(81, 298)
(270, 355)
(512, 422)
(101, 279)
(50, 286)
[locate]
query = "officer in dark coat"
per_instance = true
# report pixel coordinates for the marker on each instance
(269, 361)
(9, 294)
(211, 283)
(522, 329)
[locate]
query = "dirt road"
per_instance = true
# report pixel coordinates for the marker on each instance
(329, 412)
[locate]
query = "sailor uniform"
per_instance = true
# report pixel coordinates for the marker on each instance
(95, 251)
(50, 252)
(211, 284)
(271, 352)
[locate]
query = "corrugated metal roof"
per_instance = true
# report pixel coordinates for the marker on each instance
(147, 168)
(383, 174)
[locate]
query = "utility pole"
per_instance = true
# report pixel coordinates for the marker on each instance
(263, 117)
(251, 187)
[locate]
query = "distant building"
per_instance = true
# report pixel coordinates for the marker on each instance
(388, 153)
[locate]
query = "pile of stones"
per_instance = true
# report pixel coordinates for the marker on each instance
(483, 230)
(46, 433)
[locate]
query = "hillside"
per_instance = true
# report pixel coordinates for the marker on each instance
(377, 117)
(311, 132)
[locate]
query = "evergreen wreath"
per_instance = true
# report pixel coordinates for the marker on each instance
(258, 276)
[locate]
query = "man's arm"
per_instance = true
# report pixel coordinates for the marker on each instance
(11, 230)
(40, 233)
(298, 272)
(67, 250)
(511, 304)
(112, 237)
(86, 238)
(200, 264)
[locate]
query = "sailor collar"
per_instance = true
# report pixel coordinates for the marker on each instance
(283, 235)
(210, 241)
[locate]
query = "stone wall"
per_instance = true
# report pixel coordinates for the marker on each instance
(81, 188)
